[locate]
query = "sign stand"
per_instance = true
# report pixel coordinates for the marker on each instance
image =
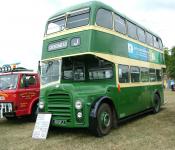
(41, 126)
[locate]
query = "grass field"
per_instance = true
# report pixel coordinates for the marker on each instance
(146, 132)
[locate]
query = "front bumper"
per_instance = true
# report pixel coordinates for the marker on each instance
(5, 108)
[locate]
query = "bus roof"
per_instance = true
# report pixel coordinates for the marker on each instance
(96, 5)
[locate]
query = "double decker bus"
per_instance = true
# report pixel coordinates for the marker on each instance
(98, 68)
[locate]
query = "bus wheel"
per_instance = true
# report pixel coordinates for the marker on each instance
(103, 121)
(156, 104)
(34, 113)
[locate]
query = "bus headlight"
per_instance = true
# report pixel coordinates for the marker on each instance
(79, 115)
(41, 104)
(78, 104)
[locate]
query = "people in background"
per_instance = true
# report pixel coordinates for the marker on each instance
(172, 85)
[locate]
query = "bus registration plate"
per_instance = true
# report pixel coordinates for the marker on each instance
(60, 122)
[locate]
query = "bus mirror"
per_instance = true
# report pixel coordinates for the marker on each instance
(39, 67)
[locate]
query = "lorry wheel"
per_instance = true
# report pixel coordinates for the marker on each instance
(103, 121)
(34, 113)
(156, 104)
(11, 118)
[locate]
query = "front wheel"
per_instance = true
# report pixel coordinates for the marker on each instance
(34, 113)
(156, 104)
(103, 121)
(11, 118)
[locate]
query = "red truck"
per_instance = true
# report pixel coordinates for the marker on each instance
(19, 93)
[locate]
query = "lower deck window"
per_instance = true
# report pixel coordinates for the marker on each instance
(152, 75)
(135, 74)
(123, 73)
(144, 74)
(158, 75)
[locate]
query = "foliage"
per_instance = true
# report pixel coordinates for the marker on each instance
(170, 62)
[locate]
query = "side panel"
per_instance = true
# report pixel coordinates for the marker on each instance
(131, 100)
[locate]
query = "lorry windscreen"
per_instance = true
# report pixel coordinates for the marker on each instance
(8, 82)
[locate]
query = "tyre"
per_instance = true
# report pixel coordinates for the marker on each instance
(156, 104)
(34, 112)
(11, 118)
(103, 122)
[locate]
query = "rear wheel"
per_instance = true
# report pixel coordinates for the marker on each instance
(156, 104)
(103, 121)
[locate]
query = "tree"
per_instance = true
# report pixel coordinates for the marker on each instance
(170, 63)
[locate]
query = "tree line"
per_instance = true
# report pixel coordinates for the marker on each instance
(170, 62)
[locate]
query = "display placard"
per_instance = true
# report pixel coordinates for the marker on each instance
(41, 126)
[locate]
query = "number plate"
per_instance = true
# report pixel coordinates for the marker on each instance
(61, 122)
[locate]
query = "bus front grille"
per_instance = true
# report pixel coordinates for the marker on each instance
(59, 105)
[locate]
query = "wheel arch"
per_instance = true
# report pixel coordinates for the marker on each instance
(33, 103)
(98, 102)
(157, 92)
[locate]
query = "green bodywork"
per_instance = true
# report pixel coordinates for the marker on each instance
(59, 98)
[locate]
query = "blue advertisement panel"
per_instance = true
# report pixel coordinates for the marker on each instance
(137, 51)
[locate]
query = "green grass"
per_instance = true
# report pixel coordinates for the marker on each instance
(146, 132)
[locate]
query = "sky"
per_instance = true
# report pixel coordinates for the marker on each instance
(23, 22)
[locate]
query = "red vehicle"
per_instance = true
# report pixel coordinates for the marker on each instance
(19, 93)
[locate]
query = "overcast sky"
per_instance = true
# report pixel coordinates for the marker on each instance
(23, 22)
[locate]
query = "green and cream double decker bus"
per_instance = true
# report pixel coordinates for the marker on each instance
(98, 68)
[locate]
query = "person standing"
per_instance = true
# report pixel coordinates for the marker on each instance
(172, 85)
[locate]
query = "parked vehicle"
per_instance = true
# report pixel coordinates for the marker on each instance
(19, 92)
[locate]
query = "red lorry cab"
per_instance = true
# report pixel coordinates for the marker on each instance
(19, 94)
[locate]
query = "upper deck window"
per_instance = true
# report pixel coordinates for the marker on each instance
(72, 20)
(56, 25)
(156, 42)
(149, 39)
(160, 44)
(132, 30)
(141, 34)
(78, 18)
(119, 24)
(104, 18)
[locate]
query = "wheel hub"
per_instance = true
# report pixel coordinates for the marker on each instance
(105, 119)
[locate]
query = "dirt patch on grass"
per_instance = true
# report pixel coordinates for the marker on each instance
(145, 132)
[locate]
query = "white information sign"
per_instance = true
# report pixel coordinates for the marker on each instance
(41, 126)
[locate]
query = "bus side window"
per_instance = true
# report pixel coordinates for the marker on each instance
(160, 44)
(132, 30)
(135, 74)
(123, 73)
(158, 75)
(104, 18)
(144, 74)
(156, 42)
(149, 39)
(119, 24)
(152, 75)
(141, 34)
